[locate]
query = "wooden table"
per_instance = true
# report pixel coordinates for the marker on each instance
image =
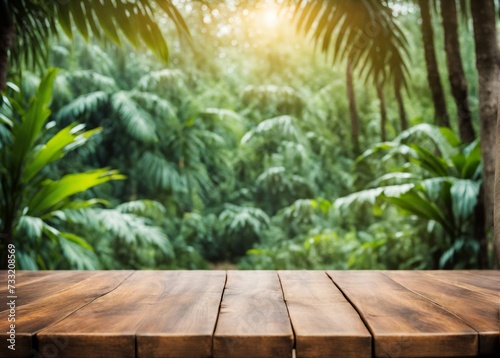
(252, 314)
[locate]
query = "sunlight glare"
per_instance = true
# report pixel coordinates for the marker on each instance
(270, 17)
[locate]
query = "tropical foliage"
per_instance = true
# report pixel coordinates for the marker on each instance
(242, 150)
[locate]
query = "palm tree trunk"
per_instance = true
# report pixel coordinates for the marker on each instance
(353, 112)
(497, 192)
(440, 112)
(383, 112)
(480, 231)
(401, 108)
(488, 66)
(6, 40)
(456, 73)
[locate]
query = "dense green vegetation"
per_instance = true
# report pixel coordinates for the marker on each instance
(240, 150)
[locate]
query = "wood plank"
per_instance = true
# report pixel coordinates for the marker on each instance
(402, 322)
(27, 276)
(488, 274)
(473, 281)
(253, 320)
(41, 286)
(170, 313)
(324, 322)
(182, 322)
(42, 313)
(479, 310)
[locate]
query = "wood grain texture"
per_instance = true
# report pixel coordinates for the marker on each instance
(253, 320)
(481, 284)
(168, 314)
(403, 323)
(180, 313)
(35, 316)
(26, 276)
(324, 322)
(182, 322)
(480, 310)
(41, 285)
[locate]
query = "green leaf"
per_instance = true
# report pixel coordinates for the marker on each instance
(451, 137)
(79, 18)
(464, 194)
(371, 195)
(32, 121)
(429, 161)
(472, 162)
(415, 204)
(65, 20)
(54, 149)
(77, 251)
(53, 193)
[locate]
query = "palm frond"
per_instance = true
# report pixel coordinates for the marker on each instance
(93, 80)
(145, 208)
(83, 105)
(35, 22)
(162, 174)
(237, 218)
(78, 252)
(133, 230)
(157, 80)
(285, 98)
(29, 227)
(285, 126)
(156, 105)
(365, 32)
(137, 122)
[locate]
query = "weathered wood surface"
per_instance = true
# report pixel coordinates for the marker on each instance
(403, 323)
(166, 313)
(253, 319)
(253, 314)
(479, 308)
(29, 286)
(182, 322)
(51, 308)
(324, 322)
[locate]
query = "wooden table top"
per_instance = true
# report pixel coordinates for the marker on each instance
(251, 314)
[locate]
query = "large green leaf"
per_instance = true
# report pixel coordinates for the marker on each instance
(32, 122)
(53, 193)
(371, 195)
(69, 137)
(414, 203)
(472, 165)
(464, 194)
(435, 164)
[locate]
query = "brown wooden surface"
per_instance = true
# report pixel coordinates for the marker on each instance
(403, 323)
(27, 276)
(478, 309)
(253, 319)
(182, 321)
(324, 322)
(481, 284)
(251, 314)
(52, 308)
(172, 314)
(28, 290)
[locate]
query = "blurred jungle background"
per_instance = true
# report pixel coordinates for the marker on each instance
(252, 134)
